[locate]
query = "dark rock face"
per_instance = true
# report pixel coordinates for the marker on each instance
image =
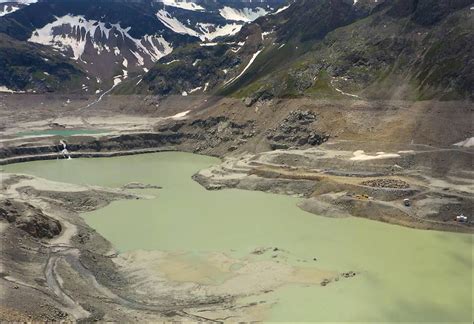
(259, 96)
(190, 68)
(213, 132)
(30, 219)
(40, 226)
(426, 12)
(295, 130)
(106, 144)
(313, 19)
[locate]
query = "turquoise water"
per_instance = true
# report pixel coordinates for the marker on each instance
(406, 275)
(62, 132)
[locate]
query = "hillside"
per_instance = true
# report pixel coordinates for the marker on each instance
(334, 49)
(116, 40)
(36, 68)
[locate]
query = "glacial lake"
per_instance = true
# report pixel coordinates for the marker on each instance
(404, 275)
(62, 132)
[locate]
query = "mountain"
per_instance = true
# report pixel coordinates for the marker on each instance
(392, 49)
(10, 6)
(112, 40)
(367, 49)
(37, 68)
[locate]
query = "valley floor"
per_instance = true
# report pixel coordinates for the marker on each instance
(345, 158)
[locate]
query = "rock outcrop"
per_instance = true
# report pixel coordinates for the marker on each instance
(295, 130)
(29, 218)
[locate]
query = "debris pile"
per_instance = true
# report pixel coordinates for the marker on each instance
(386, 183)
(295, 130)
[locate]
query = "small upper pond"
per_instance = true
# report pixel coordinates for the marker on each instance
(406, 275)
(61, 132)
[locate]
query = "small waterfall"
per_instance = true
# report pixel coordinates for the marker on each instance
(64, 151)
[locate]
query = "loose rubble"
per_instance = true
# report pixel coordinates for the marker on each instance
(295, 129)
(386, 183)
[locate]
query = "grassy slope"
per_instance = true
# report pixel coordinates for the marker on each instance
(376, 57)
(397, 49)
(31, 67)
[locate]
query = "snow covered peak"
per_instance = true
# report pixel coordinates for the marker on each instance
(244, 14)
(202, 30)
(183, 4)
(8, 9)
(120, 38)
(25, 2)
(8, 6)
(102, 48)
(74, 33)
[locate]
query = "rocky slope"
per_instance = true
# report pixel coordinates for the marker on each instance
(392, 52)
(9, 7)
(340, 49)
(35, 67)
(389, 49)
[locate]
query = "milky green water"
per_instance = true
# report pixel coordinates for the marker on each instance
(62, 132)
(406, 275)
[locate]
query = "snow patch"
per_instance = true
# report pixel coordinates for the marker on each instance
(73, 33)
(245, 14)
(281, 9)
(211, 31)
(209, 44)
(361, 156)
(183, 4)
(180, 115)
(342, 92)
(119, 78)
(195, 89)
(171, 62)
(468, 142)
(204, 31)
(4, 89)
(174, 24)
(245, 69)
(8, 9)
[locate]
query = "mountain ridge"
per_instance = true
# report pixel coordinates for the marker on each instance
(116, 39)
(376, 51)
(385, 49)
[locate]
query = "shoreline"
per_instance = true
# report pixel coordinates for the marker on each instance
(55, 156)
(286, 149)
(74, 273)
(302, 186)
